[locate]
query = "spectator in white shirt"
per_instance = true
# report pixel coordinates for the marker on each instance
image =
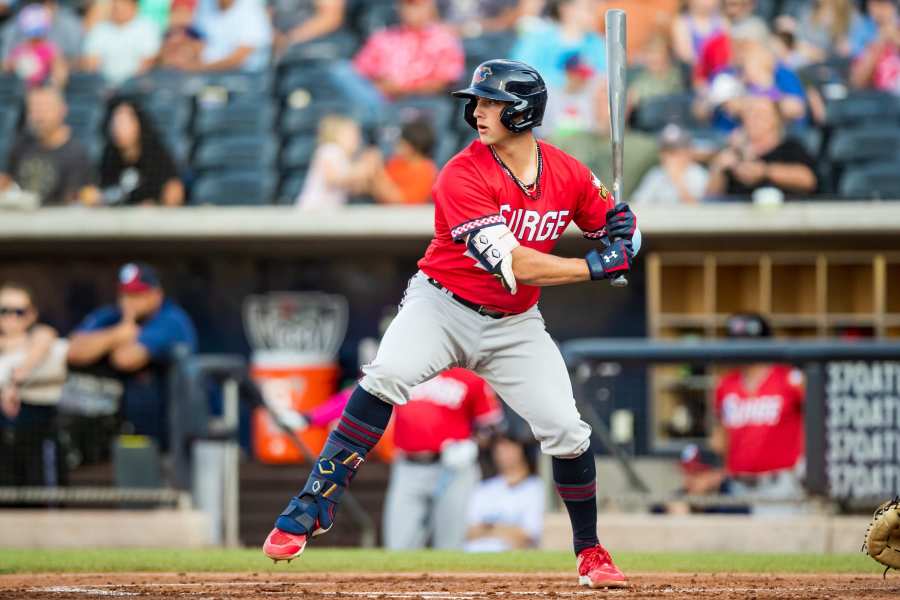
(123, 46)
(678, 179)
(507, 511)
(237, 35)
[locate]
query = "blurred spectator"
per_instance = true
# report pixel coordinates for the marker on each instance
(421, 56)
(237, 35)
(338, 170)
(715, 54)
(646, 19)
(32, 372)
(592, 146)
(136, 339)
(182, 42)
(123, 46)
(702, 475)
(136, 167)
(409, 174)
(572, 108)
(879, 65)
(829, 28)
(158, 11)
(759, 409)
(65, 32)
(506, 512)
(697, 23)
(659, 77)
(300, 21)
(758, 72)
(473, 18)
(436, 467)
(760, 156)
(678, 179)
(36, 59)
(46, 160)
(547, 44)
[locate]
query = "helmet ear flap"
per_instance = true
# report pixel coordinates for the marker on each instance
(469, 112)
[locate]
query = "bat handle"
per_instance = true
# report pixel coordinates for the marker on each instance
(619, 282)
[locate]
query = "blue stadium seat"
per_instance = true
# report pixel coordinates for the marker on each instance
(305, 119)
(368, 16)
(879, 180)
(12, 90)
(291, 184)
(234, 188)
(10, 115)
(257, 152)
(234, 118)
(314, 83)
(439, 110)
(853, 146)
(655, 113)
(863, 108)
(85, 117)
(170, 112)
(297, 152)
(339, 45)
(81, 84)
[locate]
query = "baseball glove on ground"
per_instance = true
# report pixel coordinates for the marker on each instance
(883, 536)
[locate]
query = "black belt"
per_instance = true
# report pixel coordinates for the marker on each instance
(479, 308)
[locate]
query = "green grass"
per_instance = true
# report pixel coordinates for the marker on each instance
(379, 561)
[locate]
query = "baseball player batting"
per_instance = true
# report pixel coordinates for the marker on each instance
(501, 205)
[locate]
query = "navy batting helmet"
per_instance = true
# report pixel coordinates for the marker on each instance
(508, 81)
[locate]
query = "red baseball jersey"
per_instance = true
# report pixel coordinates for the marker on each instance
(444, 408)
(473, 190)
(764, 426)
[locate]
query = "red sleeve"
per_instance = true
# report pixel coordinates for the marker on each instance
(464, 198)
(594, 201)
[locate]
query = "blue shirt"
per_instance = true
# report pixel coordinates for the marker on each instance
(786, 83)
(144, 402)
(543, 47)
(159, 334)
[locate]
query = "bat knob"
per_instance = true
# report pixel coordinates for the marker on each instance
(619, 282)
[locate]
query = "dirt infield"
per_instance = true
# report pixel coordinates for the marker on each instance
(316, 586)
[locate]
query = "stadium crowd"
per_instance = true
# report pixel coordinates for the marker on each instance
(320, 103)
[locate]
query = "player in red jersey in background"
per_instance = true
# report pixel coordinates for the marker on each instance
(759, 409)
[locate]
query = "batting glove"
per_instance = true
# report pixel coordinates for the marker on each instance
(610, 262)
(620, 222)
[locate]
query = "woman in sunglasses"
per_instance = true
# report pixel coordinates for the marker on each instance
(32, 371)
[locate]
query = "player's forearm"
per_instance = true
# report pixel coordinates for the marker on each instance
(536, 268)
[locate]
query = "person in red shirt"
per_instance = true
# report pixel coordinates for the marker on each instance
(501, 205)
(759, 409)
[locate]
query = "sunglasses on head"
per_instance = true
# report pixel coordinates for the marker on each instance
(10, 310)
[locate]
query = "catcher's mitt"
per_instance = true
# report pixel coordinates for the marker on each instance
(883, 535)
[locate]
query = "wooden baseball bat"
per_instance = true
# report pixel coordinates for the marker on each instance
(615, 67)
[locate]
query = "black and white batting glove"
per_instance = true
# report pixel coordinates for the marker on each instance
(610, 262)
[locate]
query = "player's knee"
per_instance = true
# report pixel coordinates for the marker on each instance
(570, 440)
(390, 382)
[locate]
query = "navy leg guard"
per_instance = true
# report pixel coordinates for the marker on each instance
(312, 510)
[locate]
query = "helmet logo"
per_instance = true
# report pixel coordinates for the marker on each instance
(481, 74)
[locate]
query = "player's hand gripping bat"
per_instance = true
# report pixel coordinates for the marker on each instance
(615, 64)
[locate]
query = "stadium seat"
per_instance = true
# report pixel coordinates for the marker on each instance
(81, 84)
(305, 119)
(487, 46)
(863, 108)
(170, 112)
(339, 45)
(655, 113)
(234, 188)
(297, 152)
(313, 83)
(10, 116)
(879, 180)
(11, 89)
(85, 117)
(291, 184)
(234, 118)
(368, 16)
(867, 144)
(438, 110)
(235, 152)
(829, 77)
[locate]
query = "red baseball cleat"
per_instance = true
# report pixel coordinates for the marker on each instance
(597, 570)
(281, 545)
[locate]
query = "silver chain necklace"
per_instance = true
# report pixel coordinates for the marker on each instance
(533, 195)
